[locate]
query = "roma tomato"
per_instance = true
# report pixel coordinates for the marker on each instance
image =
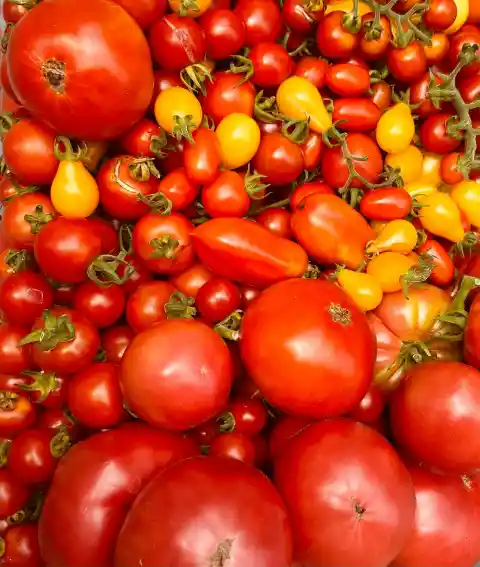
(268, 543)
(13, 494)
(226, 96)
(395, 129)
(104, 475)
(217, 299)
(434, 136)
(407, 64)
(386, 203)
(49, 72)
(333, 40)
(146, 305)
(115, 341)
(30, 457)
(191, 280)
(103, 306)
(202, 159)
(233, 446)
(278, 159)
(277, 221)
(348, 80)
(332, 476)
(28, 150)
(14, 358)
(356, 114)
(182, 399)
(21, 546)
(17, 413)
(177, 189)
(284, 319)
(445, 398)
(243, 251)
(224, 33)
(262, 19)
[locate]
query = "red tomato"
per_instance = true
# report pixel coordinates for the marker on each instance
(407, 64)
(440, 15)
(375, 49)
(144, 12)
(103, 475)
(58, 421)
(224, 33)
(472, 335)
(302, 18)
(13, 494)
(444, 397)
(49, 72)
(312, 151)
(17, 413)
(333, 40)
(371, 407)
(225, 95)
(191, 280)
(176, 540)
(63, 294)
(332, 476)
(278, 159)
(47, 389)
(205, 433)
(103, 306)
(297, 379)
(28, 149)
(382, 95)
(30, 458)
(226, 196)
(463, 37)
(448, 169)
(146, 305)
(115, 341)
(182, 400)
(434, 137)
(21, 546)
(285, 429)
(4, 76)
(12, 13)
(424, 106)
(262, 19)
(14, 358)
(444, 268)
(277, 221)
(144, 139)
(345, 79)
(271, 64)
(357, 114)
(107, 233)
(177, 187)
(305, 189)
(217, 299)
(313, 69)
(386, 203)
(244, 415)
(233, 446)
(470, 90)
(202, 159)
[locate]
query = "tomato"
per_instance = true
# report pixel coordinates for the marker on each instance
(13, 494)
(49, 74)
(440, 15)
(396, 236)
(144, 139)
(146, 305)
(395, 129)
(47, 389)
(313, 69)
(271, 64)
(14, 358)
(191, 280)
(333, 40)
(470, 90)
(238, 136)
(178, 112)
(21, 546)
(441, 216)
(187, 8)
(224, 33)
(444, 397)
(348, 80)
(283, 318)
(217, 299)
(247, 416)
(181, 401)
(243, 251)
(357, 114)
(381, 95)
(407, 64)
(449, 170)
(163, 80)
(17, 413)
(335, 170)
(444, 268)
(104, 475)
(331, 231)
(278, 159)
(312, 151)
(268, 543)
(64, 248)
(23, 218)
(24, 296)
(373, 45)
(226, 196)
(107, 233)
(466, 195)
(202, 159)
(30, 457)
(440, 539)
(332, 476)
(277, 221)
(103, 306)
(285, 429)
(68, 346)
(233, 446)
(423, 105)
(13, 13)
(362, 288)
(177, 189)
(386, 203)
(434, 137)
(302, 18)
(437, 52)
(464, 37)
(164, 243)
(115, 341)
(305, 189)
(225, 96)
(262, 19)
(371, 407)
(28, 149)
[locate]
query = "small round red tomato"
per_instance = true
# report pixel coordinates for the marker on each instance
(386, 203)
(225, 96)
(457, 42)
(313, 69)
(145, 139)
(333, 40)
(444, 268)
(419, 96)
(440, 14)
(244, 415)
(202, 159)
(249, 295)
(370, 408)
(312, 151)
(271, 64)
(217, 299)
(224, 33)
(470, 90)
(12, 13)
(13, 494)
(226, 196)
(178, 188)
(382, 95)
(191, 280)
(14, 358)
(46, 389)
(115, 341)
(24, 217)
(21, 546)
(374, 44)
(262, 19)
(276, 221)
(103, 306)
(205, 433)
(176, 42)
(348, 80)
(163, 242)
(306, 189)
(356, 114)
(233, 446)
(58, 420)
(448, 169)
(278, 159)
(17, 413)
(301, 18)
(146, 305)
(144, 12)
(437, 52)
(24, 296)
(30, 457)
(64, 249)
(94, 396)
(28, 150)
(10, 187)
(434, 136)
(285, 429)
(407, 64)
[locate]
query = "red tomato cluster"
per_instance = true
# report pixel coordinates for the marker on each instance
(239, 274)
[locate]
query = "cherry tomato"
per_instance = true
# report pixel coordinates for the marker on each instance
(238, 136)
(347, 80)
(13, 12)
(470, 90)
(13, 494)
(115, 341)
(247, 416)
(202, 159)
(313, 69)
(356, 114)
(46, 389)
(370, 408)
(461, 38)
(224, 33)
(21, 546)
(191, 280)
(407, 64)
(233, 446)
(364, 289)
(14, 358)
(271, 64)
(145, 139)
(217, 299)
(146, 305)
(385, 204)
(164, 80)
(440, 15)
(262, 19)
(444, 268)
(305, 189)
(333, 40)
(185, 8)
(278, 159)
(30, 457)
(178, 187)
(437, 52)
(434, 136)
(381, 95)
(276, 221)
(17, 413)
(302, 18)
(448, 169)
(374, 43)
(205, 433)
(103, 306)
(225, 96)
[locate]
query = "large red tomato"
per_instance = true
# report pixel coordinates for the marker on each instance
(435, 415)
(102, 476)
(207, 512)
(182, 391)
(309, 348)
(349, 496)
(92, 79)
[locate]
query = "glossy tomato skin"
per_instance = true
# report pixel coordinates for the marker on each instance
(434, 137)
(472, 335)
(359, 114)
(202, 159)
(225, 96)
(305, 189)
(191, 280)
(103, 306)
(115, 341)
(351, 473)
(277, 221)
(64, 249)
(217, 299)
(444, 397)
(262, 20)
(13, 12)
(305, 316)
(14, 358)
(233, 446)
(348, 80)
(226, 196)
(17, 413)
(382, 95)
(21, 546)
(444, 268)
(24, 296)
(386, 204)
(285, 429)
(243, 251)
(313, 69)
(278, 159)
(224, 33)
(30, 458)
(102, 474)
(407, 64)
(49, 75)
(207, 484)
(335, 42)
(371, 407)
(140, 275)
(13, 494)
(299, 19)
(244, 415)
(146, 305)
(271, 64)
(185, 395)
(144, 12)
(180, 189)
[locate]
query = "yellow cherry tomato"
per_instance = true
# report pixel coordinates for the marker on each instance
(299, 99)
(395, 129)
(361, 287)
(190, 8)
(397, 236)
(178, 112)
(238, 136)
(431, 169)
(347, 6)
(467, 196)
(74, 191)
(378, 226)
(420, 187)
(440, 215)
(462, 16)
(389, 268)
(409, 162)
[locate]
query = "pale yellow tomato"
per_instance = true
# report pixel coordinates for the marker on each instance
(389, 268)
(362, 288)
(397, 236)
(441, 216)
(178, 112)
(462, 16)
(409, 162)
(74, 191)
(466, 195)
(238, 136)
(395, 129)
(420, 187)
(431, 169)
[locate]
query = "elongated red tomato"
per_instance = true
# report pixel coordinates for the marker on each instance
(202, 159)
(304, 328)
(386, 203)
(243, 251)
(356, 114)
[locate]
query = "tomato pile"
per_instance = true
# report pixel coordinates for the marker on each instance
(239, 274)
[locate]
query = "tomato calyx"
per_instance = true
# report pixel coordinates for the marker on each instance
(254, 186)
(265, 109)
(27, 4)
(339, 314)
(104, 270)
(453, 322)
(60, 443)
(297, 131)
(195, 76)
(64, 150)
(18, 260)
(8, 400)
(242, 66)
(43, 382)
(4, 448)
(158, 144)
(183, 127)
(468, 243)
(56, 330)
(352, 22)
(141, 169)
(39, 219)
(180, 306)
(187, 6)
(418, 273)
(7, 120)
(164, 247)
(226, 422)
(229, 328)
(313, 272)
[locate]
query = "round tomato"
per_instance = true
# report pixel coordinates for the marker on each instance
(17, 413)
(88, 98)
(302, 18)
(191, 280)
(244, 415)
(177, 187)
(146, 139)
(13, 494)
(313, 69)
(12, 12)
(277, 221)
(115, 341)
(440, 15)
(434, 136)
(278, 159)
(407, 64)
(224, 33)
(448, 169)
(226, 96)
(333, 40)
(285, 429)
(271, 64)
(14, 358)
(233, 446)
(217, 299)
(144, 12)
(146, 305)
(103, 306)
(226, 196)
(21, 546)
(370, 409)
(375, 40)
(437, 52)
(30, 457)
(262, 19)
